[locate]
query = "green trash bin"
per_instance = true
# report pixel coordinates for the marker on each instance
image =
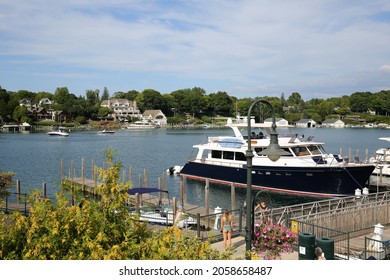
(306, 245)
(327, 246)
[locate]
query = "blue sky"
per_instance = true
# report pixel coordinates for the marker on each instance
(319, 48)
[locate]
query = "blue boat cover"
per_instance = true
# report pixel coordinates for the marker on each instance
(133, 191)
(230, 142)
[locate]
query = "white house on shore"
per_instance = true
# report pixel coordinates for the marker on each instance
(333, 123)
(156, 117)
(122, 108)
(278, 121)
(306, 123)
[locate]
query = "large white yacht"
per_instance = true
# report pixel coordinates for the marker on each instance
(305, 169)
(380, 177)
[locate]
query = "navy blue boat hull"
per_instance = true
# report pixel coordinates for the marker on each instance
(313, 181)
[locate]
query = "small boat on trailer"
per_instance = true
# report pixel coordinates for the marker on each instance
(159, 213)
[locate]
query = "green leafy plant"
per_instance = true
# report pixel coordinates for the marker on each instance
(271, 240)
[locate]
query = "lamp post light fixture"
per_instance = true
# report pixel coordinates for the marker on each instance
(273, 152)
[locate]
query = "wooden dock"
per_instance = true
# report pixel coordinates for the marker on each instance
(359, 245)
(89, 187)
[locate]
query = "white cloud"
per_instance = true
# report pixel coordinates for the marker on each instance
(248, 48)
(385, 68)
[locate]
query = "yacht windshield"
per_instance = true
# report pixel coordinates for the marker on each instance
(314, 150)
(300, 151)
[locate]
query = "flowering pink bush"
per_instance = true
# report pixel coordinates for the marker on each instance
(271, 240)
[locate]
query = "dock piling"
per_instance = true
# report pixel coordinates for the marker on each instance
(44, 189)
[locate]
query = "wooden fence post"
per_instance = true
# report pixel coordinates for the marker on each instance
(72, 170)
(62, 171)
(233, 195)
(18, 190)
(44, 189)
(207, 201)
(82, 175)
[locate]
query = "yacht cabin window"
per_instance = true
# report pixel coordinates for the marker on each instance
(228, 155)
(259, 150)
(216, 154)
(240, 156)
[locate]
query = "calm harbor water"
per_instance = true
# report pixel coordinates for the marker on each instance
(36, 157)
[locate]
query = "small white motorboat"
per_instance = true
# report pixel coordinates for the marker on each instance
(59, 132)
(106, 131)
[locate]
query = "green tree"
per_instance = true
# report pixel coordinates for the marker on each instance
(283, 100)
(19, 113)
(360, 101)
(92, 98)
(242, 106)
(169, 102)
(92, 103)
(6, 179)
(105, 95)
(380, 102)
(292, 117)
(191, 101)
(119, 94)
(296, 102)
(221, 103)
(178, 98)
(150, 99)
(73, 228)
(132, 94)
(5, 109)
(104, 112)
(61, 95)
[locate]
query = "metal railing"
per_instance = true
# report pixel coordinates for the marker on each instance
(209, 226)
(375, 249)
(338, 240)
(310, 210)
(15, 202)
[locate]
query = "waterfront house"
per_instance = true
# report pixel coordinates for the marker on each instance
(337, 123)
(306, 123)
(25, 102)
(122, 108)
(278, 121)
(45, 102)
(43, 114)
(155, 116)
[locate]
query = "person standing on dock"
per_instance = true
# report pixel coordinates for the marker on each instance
(262, 211)
(227, 229)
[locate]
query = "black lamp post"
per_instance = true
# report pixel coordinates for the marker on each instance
(273, 152)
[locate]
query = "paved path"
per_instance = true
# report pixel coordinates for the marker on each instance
(238, 244)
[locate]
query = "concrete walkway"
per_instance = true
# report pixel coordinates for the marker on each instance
(238, 244)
